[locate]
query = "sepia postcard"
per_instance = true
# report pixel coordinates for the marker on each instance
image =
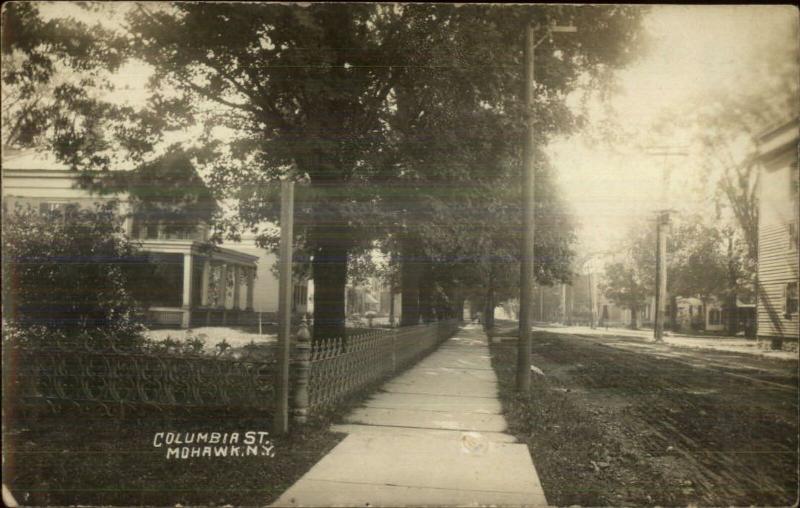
(400, 254)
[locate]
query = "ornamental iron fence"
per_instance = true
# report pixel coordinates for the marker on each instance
(337, 368)
(82, 376)
(96, 373)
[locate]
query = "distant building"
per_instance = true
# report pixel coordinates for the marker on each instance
(228, 285)
(777, 295)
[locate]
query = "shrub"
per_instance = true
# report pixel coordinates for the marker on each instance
(71, 273)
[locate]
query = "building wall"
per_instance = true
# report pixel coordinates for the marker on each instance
(25, 187)
(714, 321)
(778, 258)
(265, 287)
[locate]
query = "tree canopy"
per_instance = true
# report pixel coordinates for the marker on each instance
(402, 122)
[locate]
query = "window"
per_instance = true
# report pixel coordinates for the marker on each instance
(300, 296)
(790, 304)
(57, 210)
(714, 317)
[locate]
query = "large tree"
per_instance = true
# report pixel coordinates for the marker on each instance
(697, 265)
(355, 101)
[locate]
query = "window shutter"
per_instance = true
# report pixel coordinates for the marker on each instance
(785, 298)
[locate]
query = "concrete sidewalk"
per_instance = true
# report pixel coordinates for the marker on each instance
(432, 436)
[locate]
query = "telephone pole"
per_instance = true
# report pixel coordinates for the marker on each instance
(529, 161)
(662, 229)
(526, 268)
(592, 304)
(661, 274)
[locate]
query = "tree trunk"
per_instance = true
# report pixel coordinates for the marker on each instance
(634, 318)
(409, 280)
(705, 313)
(329, 238)
(330, 279)
(733, 322)
(391, 306)
(426, 287)
(570, 303)
(673, 313)
(733, 316)
(489, 310)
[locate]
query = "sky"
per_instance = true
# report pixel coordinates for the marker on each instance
(696, 51)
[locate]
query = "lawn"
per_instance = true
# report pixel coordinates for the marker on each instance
(98, 460)
(213, 335)
(95, 459)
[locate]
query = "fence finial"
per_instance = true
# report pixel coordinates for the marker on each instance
(302, 332)
(302, 365)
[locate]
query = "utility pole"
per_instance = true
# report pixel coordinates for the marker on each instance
(529, 161)
(281, 421)
(526, 268)
(592, 304)
(661, 274)
(662, 227)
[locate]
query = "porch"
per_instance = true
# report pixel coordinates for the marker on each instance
(196, 286)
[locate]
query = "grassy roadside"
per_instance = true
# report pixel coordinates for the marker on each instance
(582, 454)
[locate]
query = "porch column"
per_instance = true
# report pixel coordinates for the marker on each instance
(205, 282)
(223, 276)
(236, 284)
(223, 287)
(128, 226)
(187, 290)
(250, 283)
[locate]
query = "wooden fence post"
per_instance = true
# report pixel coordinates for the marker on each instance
(302, 366)
(285, 285)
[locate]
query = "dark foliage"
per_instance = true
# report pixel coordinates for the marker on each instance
(73, 273)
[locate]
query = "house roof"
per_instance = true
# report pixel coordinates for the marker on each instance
(778, 139)
(36, 160)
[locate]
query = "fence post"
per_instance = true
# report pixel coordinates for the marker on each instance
(302, 367)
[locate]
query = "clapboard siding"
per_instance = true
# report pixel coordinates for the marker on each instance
(778, 260)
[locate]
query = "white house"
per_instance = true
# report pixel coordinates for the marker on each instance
(778, 210)
(225, 285)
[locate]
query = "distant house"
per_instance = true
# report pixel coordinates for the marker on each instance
(226, 285)
(265, 285)
(777, 295)
(689, 315)
(372, 296)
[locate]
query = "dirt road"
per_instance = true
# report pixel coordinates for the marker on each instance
(668, 425)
